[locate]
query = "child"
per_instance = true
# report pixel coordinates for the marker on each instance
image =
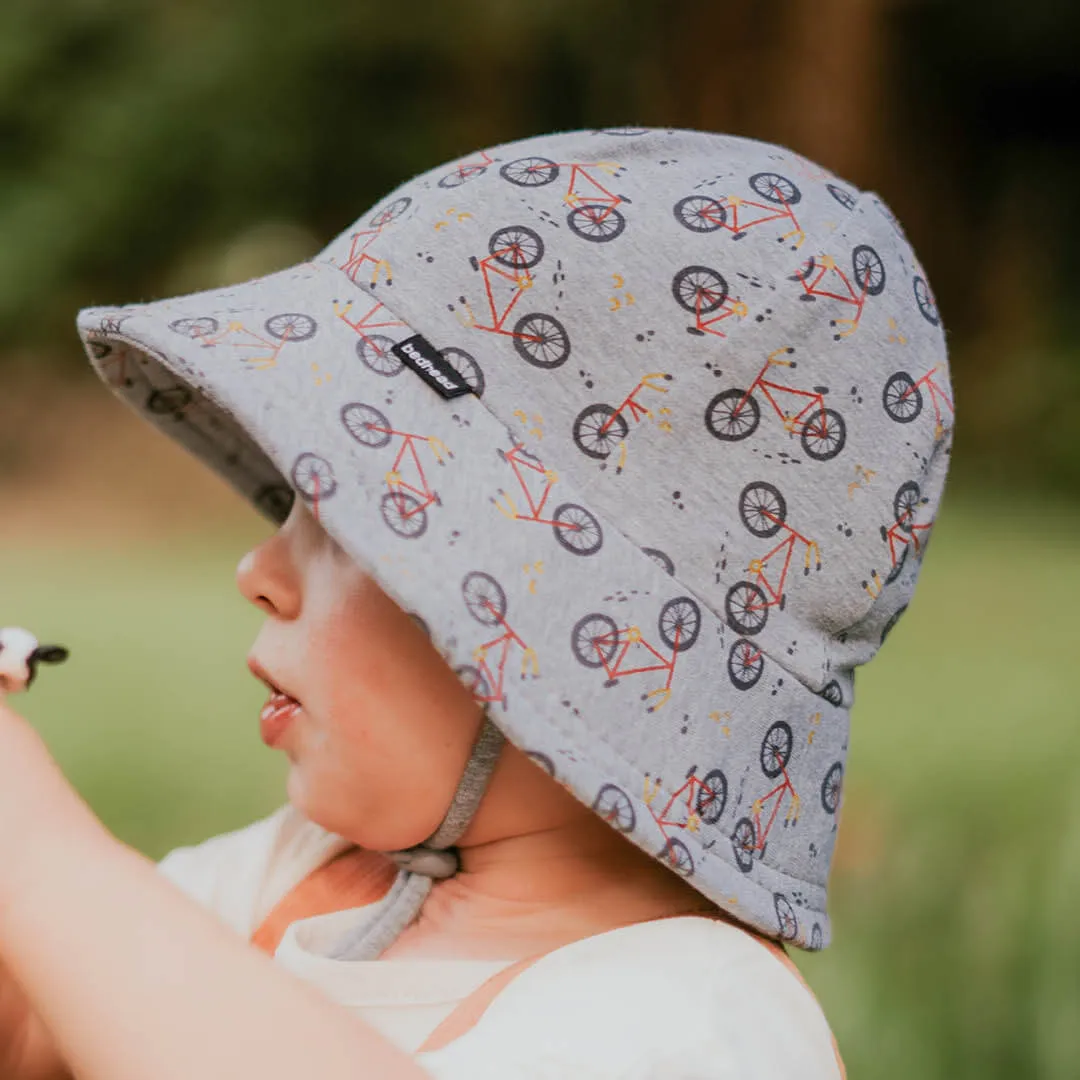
(613, 462)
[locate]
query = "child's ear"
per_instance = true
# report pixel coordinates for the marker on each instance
(51, 654)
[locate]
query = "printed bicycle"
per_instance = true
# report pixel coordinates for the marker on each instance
(377, 350)
(361, 240)
(596, 639)
(903, 534)
(733, 415)
(749, 836)
(696, 803)
(486, 601)
(540, 339)
(703, 291)
(867, 273)
(404, 505)
(599, 428)
(593, 215)
(703, 214)
(575, 528)
(466, 171)
(763, 511)
(280, 331)
(902, 398)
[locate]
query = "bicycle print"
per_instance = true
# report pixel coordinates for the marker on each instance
(867, 273)
(594, 215)
(902, 399)
(704, 214)
(514, 251)
(696, 802)
(377, 350)
(597, 641)
(280, 330)
(360, 241)
(486, 600)
(903, 534)
(733, 415)
(599, 429)
(575, 528)
(703, 291)
(466, 171)
(763, 511)
(404, 505)
(750, 837)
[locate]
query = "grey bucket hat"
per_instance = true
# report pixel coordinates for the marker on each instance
(647, 428)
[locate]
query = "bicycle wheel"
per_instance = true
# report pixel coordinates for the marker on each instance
(484, 597)
(598, 223)
(680, 617)
(776, 749)
(744, 844)
(530, 171)
(905, 501)
(404, 514)
(732, 415)
(843, 197)
(195, 328)
(662, 560)
(467, 367)
(676, 856)
(712, 797)
(823, 434)
(830, 787)
(577, 530)
(746, 608)
(806, 268)
(629, 131)
(313, 476)
(291, 326)
(868, 269)
(832, 693)
(516, 246)
(598, 429)
(394, 210)
(700, 214)
(901, 398)
(785, 917)
(775, 188)
(594, 640)
(615, 807)
(366, 424)
(376, 350)
(174, 400)
(475, 681)
(699, 290)
(745, 664)
(542, 341)
(925, 299)
(461, 175)
(762, 509)
(421, 623)
(275, 501)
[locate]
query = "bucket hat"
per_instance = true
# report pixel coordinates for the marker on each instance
(646, 428)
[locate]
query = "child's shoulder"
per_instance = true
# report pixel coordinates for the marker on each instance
(687, 996)
(241, 874)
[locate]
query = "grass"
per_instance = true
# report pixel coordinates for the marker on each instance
(957, 943)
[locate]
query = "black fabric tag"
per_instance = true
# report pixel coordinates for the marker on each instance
(419, 354)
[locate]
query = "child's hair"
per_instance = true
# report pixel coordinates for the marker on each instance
(695, 385)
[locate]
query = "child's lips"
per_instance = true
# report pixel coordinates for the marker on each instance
(276, 716)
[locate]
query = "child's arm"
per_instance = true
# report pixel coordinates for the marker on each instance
(133, 979)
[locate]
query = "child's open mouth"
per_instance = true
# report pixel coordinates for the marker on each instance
(276, 715)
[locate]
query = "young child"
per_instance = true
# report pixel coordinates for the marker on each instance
(600, 460)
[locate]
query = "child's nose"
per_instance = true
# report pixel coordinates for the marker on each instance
(265, 579)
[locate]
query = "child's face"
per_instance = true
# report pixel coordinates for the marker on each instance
(385, 727)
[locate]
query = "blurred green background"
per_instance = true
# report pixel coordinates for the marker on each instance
(154, 148)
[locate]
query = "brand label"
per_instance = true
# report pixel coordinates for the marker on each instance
(419, 354)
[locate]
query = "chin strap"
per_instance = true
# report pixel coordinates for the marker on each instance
(420, 865)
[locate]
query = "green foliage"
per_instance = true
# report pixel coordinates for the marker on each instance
(956, 946)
